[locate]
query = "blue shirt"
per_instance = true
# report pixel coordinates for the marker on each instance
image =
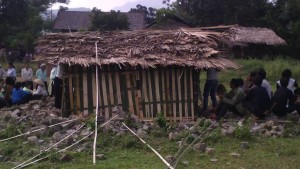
(41, 75)
(18, 95)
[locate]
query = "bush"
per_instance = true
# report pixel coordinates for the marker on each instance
(161, 120)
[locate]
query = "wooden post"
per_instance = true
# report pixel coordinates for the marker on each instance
(97, 108)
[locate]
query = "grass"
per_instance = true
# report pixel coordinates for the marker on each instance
(129, 153)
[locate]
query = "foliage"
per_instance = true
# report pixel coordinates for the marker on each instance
(21, 22)
(160, 120)
(108, 20)
(150, 13)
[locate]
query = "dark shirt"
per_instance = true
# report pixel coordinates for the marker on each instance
(259, 98)
(283, 97)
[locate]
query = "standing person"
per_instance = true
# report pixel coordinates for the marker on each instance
(58, 85)
(26, 74)
(257, 100)
(210, 89)
(41, 74)
(52, 77)
(265, 84)
(292, 84)
(2, 74)
(11, 74)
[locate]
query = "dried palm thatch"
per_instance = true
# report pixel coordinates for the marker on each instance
(134, 48)
(235, 35)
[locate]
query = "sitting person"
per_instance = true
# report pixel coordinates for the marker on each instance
(27, 87)
(265, 84)
(249, 83)
(41, 89)
(20, 96)
(292, 83)
(283, 99)
(2, 98)
(257, 100)
(232, 101)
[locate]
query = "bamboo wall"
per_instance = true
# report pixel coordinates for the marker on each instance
(143, 92)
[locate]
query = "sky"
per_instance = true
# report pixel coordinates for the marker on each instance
(104, 5)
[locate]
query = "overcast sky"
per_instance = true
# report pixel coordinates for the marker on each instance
(104, 5)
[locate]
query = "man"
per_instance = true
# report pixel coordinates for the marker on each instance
(284, 100)
(232, 101)
(58, 85)
(292, 83)
(210, 89)
(257, 100)
(26, 74)
(52, 77)
(265, 84)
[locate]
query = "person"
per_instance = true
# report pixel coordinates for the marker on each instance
(292, 84)
(2, 98)
(41, 74)
(257, 100)
(19, 96)
(283, 99)
(210, 88)
(249, 83)
(52, 77)
(232, 101)
(28, 87)
(2, 74)
(265, 84)
(41, 89)
(26, 74)
(11, 73)
(58, 86)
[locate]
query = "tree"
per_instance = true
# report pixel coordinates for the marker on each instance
(108, 20)
(150, 13)
(21, 22)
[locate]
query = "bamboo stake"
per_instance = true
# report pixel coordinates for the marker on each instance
(20, 165)
(97, 108)
(168, 165)
(102, 125)
(29, 132)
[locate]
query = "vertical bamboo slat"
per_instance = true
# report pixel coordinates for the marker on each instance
(174, 94)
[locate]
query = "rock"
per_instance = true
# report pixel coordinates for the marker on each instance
(85, 132)
(101, 157)
(185, 162)
(55, 120)
(57, 137)
(145, 127)
(41, 141)
(54, 129)
(228, 130)
(268, 133)
(179, 143)
(270, 124)
(244, 145)
(235, 154)
(173, 136)
(66, 158)
(16, 113)
(280, 128)
(68, 126)
(141, 133)
(210, 151)
(169, 158)
(200, 147)
(32, 140)
(279, 134)
(214, 160)
(36, 107)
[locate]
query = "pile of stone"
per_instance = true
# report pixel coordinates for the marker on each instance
(269, 129)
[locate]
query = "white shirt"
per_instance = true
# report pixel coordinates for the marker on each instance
(60, 71)
(40, 91)
(291, 84)
(53, 73)
(265, 84)
(26, 74)
(11, 72)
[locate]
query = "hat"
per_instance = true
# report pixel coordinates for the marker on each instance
(39, 82)
(42, 65)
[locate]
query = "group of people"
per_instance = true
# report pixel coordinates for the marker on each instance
(253, 96)
(26, 89)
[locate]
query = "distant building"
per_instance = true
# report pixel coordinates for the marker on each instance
(77, 20)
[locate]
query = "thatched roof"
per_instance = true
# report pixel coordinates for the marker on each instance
(76, 20)
(134, 48)
(197, 47)
(235, 35)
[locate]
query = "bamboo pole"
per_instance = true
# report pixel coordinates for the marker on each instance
(20, 165)
(97, 108)
(29, 132)
(168, 165)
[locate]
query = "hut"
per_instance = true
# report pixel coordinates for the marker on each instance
(145, 72)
